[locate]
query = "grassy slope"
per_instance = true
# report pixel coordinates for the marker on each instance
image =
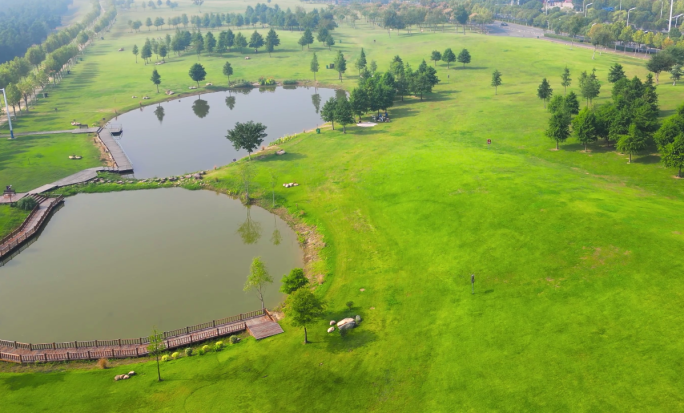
(10, 218)
(577, 258)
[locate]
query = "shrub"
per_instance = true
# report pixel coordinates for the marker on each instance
(266, 82)
(200, 352)
(103, 364)
(206, 348)
(188, 352)
(27, 203)
(241, 83)
(234, 339)
(350, 304)
(289, 82)
(165, 357)
(218, 346)
(175, 355)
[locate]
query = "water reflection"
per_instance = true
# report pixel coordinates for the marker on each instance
(316, 100)
(159, 113)
(230, 102)
(201, 108)
(276, 237)
(250, 230)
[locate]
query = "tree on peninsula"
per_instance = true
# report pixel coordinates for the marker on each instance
(156, 79)
(257, 279)
(247, 136)
(197, 73)
(304, 308)
(227, 71)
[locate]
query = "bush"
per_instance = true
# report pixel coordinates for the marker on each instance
(188, 352)
(200, 352)
(234, 339)
(350, 304)
(218, 346)
(103, 364)
(206, 348)
(175, 355)
(289, 82)
(165, 357)
(294, 281)
(266, 82)
(27, 203)
(241, 83)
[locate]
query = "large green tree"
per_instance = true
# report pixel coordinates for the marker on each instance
(436, 56)
(559, 127)
(449, 57)
(228, 71)
(197, 73)
(272, 40)
(634, 141)
(256, 41)
(340, 64)
(306, 39)
(544, 91)
(464, 57)
(584, 127)
(616, 73)
(304, 308)
(156, 79)
(293, 281)
(328, 111)
(247, 136)
(343, 112)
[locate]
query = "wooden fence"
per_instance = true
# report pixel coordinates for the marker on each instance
(136, 347)
(6, 247)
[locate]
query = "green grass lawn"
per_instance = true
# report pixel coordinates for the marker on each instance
(10, 218)
(577, 256)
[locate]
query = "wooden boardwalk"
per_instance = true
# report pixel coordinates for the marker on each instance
(30, 226)
(53, 132)
(123, 164)
(258, 323)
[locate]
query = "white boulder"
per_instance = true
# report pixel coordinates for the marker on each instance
(346, 324)
(333, 322)
(331, 329)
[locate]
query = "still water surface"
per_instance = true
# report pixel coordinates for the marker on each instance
(114, 265)
(189, 134)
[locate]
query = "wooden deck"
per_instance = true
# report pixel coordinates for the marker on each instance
(263, 327)
(123, 164)
(258, 323)
(31, 225)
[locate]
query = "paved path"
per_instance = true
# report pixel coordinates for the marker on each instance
(53, 132)
(119, 157)
(256, 323)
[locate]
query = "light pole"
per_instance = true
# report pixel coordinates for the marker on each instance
(585, 9)
(633, 8)
(669, 23)
(677, 18)
(9, 117)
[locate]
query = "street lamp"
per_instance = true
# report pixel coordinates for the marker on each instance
(669, 23)
(633, 8)
(9, 117)
(677, 18)
(585, 9)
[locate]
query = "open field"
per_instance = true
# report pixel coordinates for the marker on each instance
(577, 256)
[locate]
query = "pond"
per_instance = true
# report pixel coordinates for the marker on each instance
(189, 134)
(114, 265)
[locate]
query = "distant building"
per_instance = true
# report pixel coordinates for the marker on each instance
(563, 4)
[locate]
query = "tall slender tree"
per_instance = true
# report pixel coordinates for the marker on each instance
(566, 80)
(340, 64)
(156, 79)
(314, 65)
(227, 71)
(258, 279)
(496, 81)
(544, 91)
(135, 52)
(559, 127)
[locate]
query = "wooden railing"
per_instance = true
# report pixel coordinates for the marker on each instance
(6, 246)
(89, 350)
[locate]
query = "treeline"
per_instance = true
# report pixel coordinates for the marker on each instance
(629, 120)
(260, 14)
(28, 22)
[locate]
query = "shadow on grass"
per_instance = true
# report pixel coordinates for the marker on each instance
(289, 156)
(646, 159)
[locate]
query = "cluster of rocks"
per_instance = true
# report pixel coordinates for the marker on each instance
(280, 152)
(345, 324)
(124, 376)
(192, 87)
(291, 184)
(210, 84)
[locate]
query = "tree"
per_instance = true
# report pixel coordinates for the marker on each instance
(197, 73)
(304, 308)
(13, 97)
(257, 279)
(566, 80)
(148, 23)
(26, 88)
(240, 41)
(322, 35)
(449, 57)
(227, 71)
(256, 41)
(330, 42)
(293, 281)
(272, 40)
(340, 64)
(571, 103)
(135, 52)
(659, 62)
(163, 51)
(436, 56)
(247, 136)
(559, 127)
(633, 142)
(361, 62)
(146, 51)
(590, 86)
(544, 91)
(306, 39)
(328, 111)
(584, 127)
(359, 102)
(675, 74)
(155, 347)
(673, 154)
(343, 113)
(464, 57)
(210, 42)
(314, 65)
(462, 16)
(557, 103)
(198, 43)
(156, 79)
(616, 73)
(496, 81)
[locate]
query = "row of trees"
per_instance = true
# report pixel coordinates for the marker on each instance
(449, 57)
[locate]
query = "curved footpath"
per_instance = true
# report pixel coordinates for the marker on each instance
(260, 324)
